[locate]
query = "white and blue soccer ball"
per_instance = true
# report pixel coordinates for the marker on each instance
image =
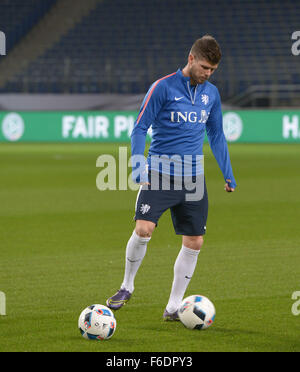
(197, 312)
(97, 322)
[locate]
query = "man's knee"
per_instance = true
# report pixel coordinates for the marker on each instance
(144, 229)
(193, 242)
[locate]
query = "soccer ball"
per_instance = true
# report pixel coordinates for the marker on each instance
(97, 322)
(197, 312)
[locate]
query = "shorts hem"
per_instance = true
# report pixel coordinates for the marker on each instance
(190, 233)
(146, 219)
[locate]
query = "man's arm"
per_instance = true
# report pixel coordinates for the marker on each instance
(218, 144)
(151, 106)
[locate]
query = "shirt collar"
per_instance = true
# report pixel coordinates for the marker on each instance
(187, 78)
(180, 74)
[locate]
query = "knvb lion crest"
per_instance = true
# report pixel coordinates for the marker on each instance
(145, 208)
(204, 98)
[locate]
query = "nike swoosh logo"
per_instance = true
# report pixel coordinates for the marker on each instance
(178, 98)
(188, 277)
(133, 260)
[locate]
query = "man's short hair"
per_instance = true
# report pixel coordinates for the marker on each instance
(207, 48)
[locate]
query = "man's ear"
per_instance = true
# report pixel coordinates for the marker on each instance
(191, 58)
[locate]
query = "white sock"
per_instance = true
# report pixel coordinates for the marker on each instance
(183, 271)
(135, 252)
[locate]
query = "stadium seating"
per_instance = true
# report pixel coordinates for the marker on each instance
(123, 46)
(17, 17)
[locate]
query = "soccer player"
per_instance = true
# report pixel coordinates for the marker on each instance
(180, 107)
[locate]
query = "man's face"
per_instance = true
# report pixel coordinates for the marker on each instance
(200, 70)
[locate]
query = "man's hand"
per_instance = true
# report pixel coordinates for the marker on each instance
(227, 188)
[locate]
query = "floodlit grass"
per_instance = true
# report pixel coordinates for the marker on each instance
(62, 248)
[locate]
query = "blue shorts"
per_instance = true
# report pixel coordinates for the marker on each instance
(189, 217)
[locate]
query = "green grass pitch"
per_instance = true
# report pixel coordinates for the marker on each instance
(63, 245)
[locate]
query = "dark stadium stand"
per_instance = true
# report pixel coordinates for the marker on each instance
(123, 46)
(17, 17)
